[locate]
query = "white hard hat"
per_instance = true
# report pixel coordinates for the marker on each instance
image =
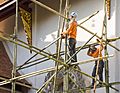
(73, 14)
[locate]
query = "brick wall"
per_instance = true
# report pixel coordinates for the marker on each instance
(5, 64)
(6, 68)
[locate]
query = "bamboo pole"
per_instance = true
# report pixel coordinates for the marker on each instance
(80, 23)
(36, 52)
(19, 83)
(62, 51)
(78, 88)
(96, 75)
(57, 47)
(98, 37)
(65, 78)
(113, 39)
(61, 39)
(45, 84)
(28, 62)
(34, 49)
(79, 49)
(45, 71)
(80, 62)
(28, 75)
(15, 50)
(48, 8)
(41, 72)
(91, 60)
(30, 65)
(104, 83)
(36, 73)
(89, 88)
(84, 45)
(89, 17)
(52, 10)
(114, 83)
(87, 45)
(105, 52)
(41, 50)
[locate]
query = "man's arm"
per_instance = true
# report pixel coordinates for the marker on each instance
(89, 53)
(101, 44)
(68, 30)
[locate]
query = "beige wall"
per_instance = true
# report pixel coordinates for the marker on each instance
(3, 1)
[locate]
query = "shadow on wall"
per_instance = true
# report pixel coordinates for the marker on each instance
(7, 25)
(112, 8)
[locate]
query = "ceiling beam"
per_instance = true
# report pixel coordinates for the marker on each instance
(8, 9)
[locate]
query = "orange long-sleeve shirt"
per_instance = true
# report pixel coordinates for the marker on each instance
(97, 53)
(72, 30)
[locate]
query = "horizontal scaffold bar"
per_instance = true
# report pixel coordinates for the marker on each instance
(91, 60)
(28, 75)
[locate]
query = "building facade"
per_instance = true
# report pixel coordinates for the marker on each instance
(44, 31)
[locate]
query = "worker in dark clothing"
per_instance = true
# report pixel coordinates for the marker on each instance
(97, 52)
(71, 32)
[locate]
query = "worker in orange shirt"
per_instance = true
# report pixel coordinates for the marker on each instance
(71, 32)
(97, 52)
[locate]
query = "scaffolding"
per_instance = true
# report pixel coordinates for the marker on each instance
(56, 57)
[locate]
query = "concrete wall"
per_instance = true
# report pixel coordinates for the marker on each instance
(45, 26)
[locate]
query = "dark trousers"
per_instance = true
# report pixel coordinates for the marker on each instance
(100, 71)
(72, 45)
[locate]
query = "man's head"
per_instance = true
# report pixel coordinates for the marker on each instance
(91, 50)
(92, 47)
(73, 15)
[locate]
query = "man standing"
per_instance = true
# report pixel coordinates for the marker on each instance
(71, 32)
(97, 52)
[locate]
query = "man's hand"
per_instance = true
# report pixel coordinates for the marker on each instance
(98, 40)
(62, 35)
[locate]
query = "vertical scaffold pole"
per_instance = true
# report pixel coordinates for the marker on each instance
(105, 52)
(15, 50)
(65, 81)
(58, 47)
